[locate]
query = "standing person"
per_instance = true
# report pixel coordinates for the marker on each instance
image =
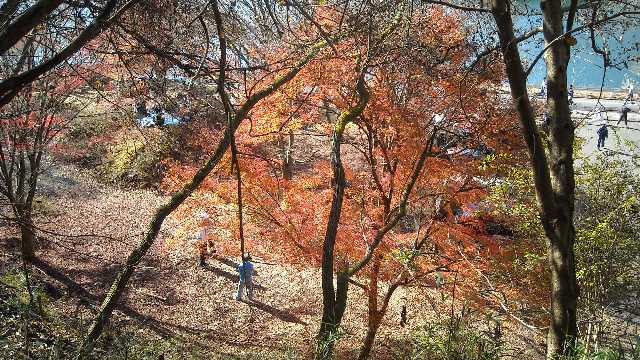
(603, 133)
(403, 312)
(630, 94)
(245, 282)
(623, 114)
(546, 121)
(598, 116)
(543, 88)
(570, 92)
(204, 241)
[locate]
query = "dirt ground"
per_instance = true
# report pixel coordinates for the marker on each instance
(175, 299)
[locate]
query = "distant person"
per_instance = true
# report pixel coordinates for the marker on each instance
(205, 243)
(245, 282)
(403, 313)
(623, 114)
(543, 88)
(570, 92)
(140, 108)
(598, 116)
(630, 93)
(546, 120)
(603, 134)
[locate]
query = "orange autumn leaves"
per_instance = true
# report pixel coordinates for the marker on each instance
(417, 95)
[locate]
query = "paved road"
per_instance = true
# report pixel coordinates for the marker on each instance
(622, 138)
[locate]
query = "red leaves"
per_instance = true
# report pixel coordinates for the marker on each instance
(417, 95)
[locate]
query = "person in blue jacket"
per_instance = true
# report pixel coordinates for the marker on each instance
(245, 271)
(603, 133)
(570, 92)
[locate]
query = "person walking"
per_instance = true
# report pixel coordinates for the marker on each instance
(623, 114)
(603, 133)
(570, 92)
(245, 283)
(543, 88)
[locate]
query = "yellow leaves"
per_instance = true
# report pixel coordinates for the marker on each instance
(284, 205)
(313, 183)
(341, 122)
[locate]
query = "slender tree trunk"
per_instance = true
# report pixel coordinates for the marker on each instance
(369, 339)
(330, 321)
(287, 159)
(373, 321)
(553, 177)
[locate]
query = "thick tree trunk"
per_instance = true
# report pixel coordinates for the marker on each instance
(560, 230)
(28, 240)
(555, 183)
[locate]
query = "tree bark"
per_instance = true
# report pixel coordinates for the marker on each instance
(28, 239)
(555, 183)
(287, 159)
(25, 23)
(560, 229)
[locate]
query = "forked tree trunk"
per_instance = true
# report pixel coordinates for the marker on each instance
(334, 300)
(332, 307)
(553, 176)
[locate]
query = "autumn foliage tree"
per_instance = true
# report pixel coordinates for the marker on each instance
(29, 126)
(265, 83)
(408, 186)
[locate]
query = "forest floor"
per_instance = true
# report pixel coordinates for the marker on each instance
(87, 229)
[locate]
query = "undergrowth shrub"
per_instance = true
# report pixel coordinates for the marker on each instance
(39, 329)
(85, 139)
(456, 338)
(582, 352)
(138, 160)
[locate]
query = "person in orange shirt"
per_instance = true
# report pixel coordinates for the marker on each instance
(205, 242)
